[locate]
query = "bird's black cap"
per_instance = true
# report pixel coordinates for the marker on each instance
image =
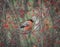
(30, 20)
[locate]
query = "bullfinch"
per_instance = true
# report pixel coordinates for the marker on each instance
(27, 25)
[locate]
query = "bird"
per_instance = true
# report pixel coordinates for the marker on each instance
(27, 25)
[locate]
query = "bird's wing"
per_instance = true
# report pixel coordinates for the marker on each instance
(25, 24)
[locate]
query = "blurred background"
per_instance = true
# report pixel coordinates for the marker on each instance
(45, 31)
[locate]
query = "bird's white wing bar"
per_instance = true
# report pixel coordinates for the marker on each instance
(25, 24)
